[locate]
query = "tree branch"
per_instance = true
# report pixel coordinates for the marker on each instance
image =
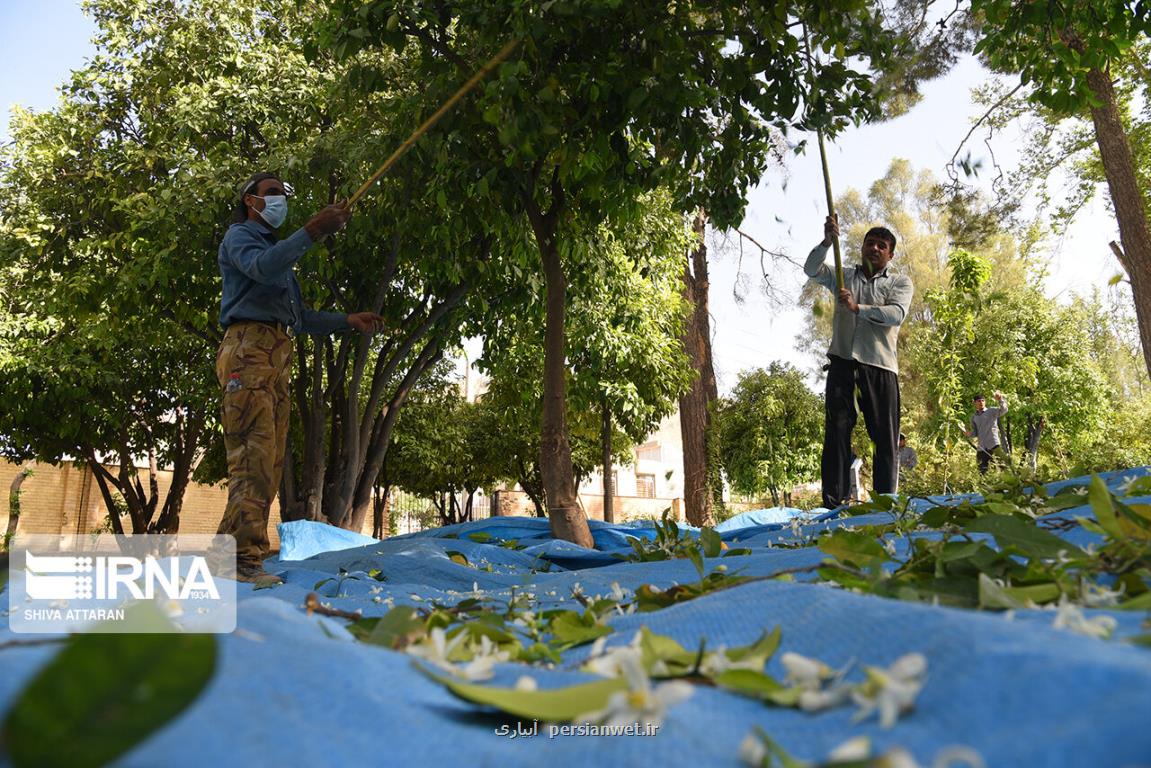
(951, 174)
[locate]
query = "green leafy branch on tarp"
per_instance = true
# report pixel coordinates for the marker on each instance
(644, 678)
(491, 629)
(672, 543)
(949, 558)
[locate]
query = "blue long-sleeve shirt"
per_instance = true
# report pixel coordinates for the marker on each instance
(260, 282)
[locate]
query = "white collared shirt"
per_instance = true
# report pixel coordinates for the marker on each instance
(871, 336)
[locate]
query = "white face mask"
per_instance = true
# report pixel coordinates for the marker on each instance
(275, 210)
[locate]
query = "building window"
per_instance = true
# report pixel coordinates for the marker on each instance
(614, 483)
(649, 452)
(645, 486)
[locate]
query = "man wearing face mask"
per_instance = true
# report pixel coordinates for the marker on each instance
(865, 329)
(261, 309)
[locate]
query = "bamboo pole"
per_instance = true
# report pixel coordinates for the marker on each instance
(826, 170)
(447, 105)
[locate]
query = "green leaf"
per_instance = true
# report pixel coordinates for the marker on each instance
(712, 543)
(459, 558)
(748, 682)
(937, 517)
(655, 648)
(761, 650)
(1024, 535)
(396, 629)
(991, 595)
(103, 694)
(1102, 504)
(737, 552)
(554, 705)
(857, 549)
(571, 629)
(959, 550)
(1140, 603)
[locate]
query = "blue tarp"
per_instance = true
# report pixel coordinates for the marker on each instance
(297, 690)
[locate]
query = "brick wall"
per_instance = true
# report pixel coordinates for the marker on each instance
(67, 499)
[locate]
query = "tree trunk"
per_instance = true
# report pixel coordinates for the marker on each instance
(381, 501)
(1130, 209)
(348, 400)
(530, 481)
(103, 481)
(564, 510)
(381, 434)
(469, 506)
(608, 489)
(1034, 433)
(695, 407)
(189, 427)
(14, 506)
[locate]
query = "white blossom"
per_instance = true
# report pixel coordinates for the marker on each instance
(892, 691)
(1096, 596)
(818, 700)
(804, 672)
(752, 750)
(718, 662)
(851, 750)
(610, 663)
(436, 649)
(1124, 487)
(485, 659)
(641, 703)
(1072, 618)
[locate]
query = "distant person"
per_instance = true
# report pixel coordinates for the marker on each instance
(261, 309)
(865, 328)
(907, 457)
(985, 429)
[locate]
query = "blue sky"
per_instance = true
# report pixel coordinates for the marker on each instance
(41, 41)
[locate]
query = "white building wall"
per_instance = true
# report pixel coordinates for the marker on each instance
(666, 470)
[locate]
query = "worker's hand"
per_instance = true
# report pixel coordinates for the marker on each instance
(366, 323)
(998, 396)
(830, 230)
(848, 300)
(329, 220)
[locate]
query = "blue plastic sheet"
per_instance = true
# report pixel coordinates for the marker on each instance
(295, 690)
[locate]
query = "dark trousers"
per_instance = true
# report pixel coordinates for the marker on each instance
(879, 402)
(986, 457)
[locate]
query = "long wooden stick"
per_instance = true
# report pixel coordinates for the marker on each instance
(826, 170)
(403, 148)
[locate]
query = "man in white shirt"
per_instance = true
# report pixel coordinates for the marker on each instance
(985, 429)
(865, 329)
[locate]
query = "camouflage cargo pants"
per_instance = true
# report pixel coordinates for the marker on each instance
(254, 366)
